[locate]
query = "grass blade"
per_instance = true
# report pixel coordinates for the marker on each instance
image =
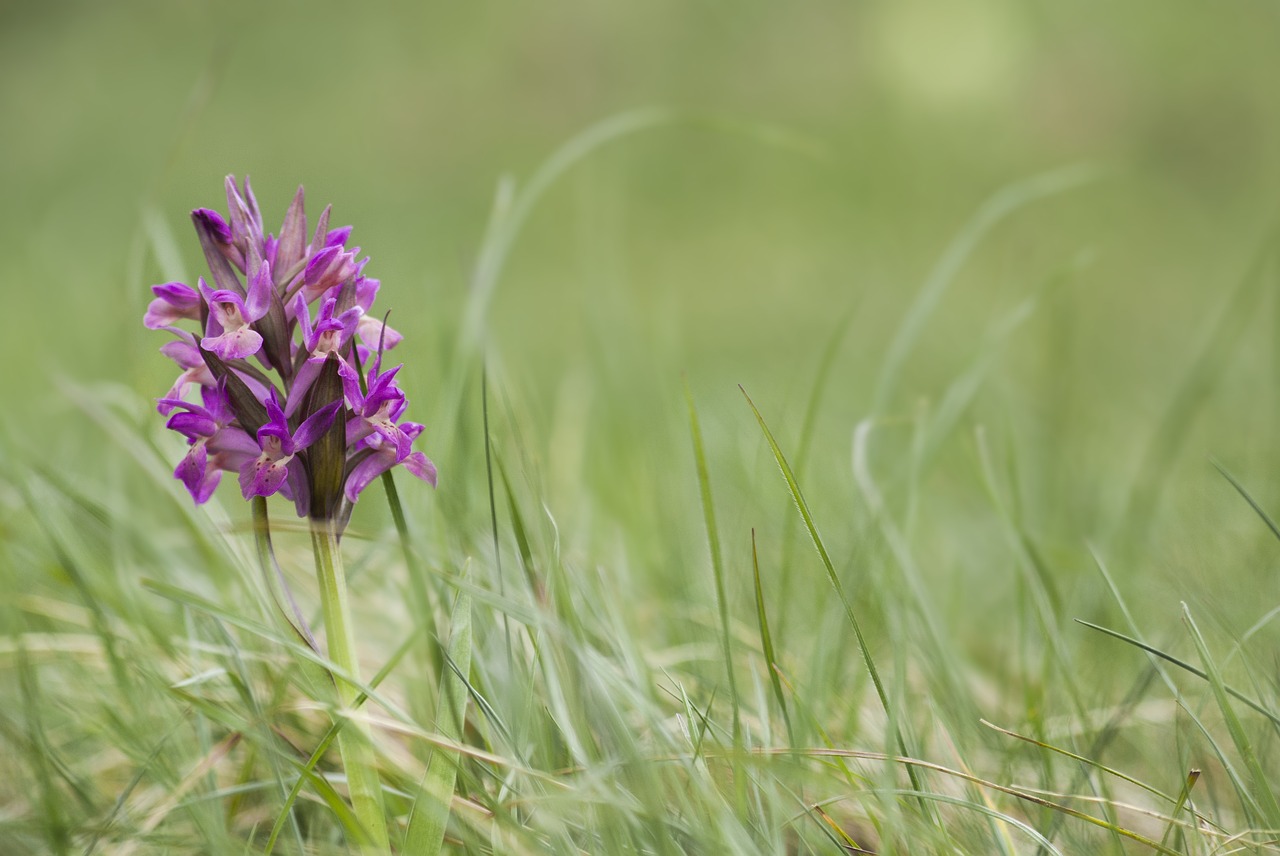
(1181, 664)
(717, 558)
(994, 210)
(1184, 796)
(766, 643)
(306, 771)
(430, 815)
(1261, 789)
(794, 487)
(1201, 378)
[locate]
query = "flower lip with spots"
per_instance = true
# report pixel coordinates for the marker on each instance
(264, 475)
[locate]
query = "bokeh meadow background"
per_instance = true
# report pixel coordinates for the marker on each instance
(802, 173)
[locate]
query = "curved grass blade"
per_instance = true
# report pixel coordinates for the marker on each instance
(981, 808)
(430, 815)
(1261, 789)
(794, 487)
(808, 425)
(1181, 664)
(1212, 359)
(306, 771)
(509, 218)
(994, 210)
(1035, 799)
(717, 558)
(1111, 771)
(274, 577)
(766, 643)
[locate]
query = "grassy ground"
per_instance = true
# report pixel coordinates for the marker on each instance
(1000, 286)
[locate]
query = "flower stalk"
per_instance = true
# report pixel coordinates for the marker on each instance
(354, 742)
(287, 360)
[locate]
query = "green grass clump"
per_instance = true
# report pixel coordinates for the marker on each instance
(583, 675)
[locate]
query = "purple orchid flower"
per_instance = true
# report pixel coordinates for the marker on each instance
(229, 334)
(386, 455)
(264, 475)
(174, 302)
(330, 335)
(184, 352)
(377, 410)
(373, 331)
(348, 430)
(214, 444)
(331, 266)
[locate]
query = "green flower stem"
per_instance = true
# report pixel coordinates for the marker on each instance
(354, 739)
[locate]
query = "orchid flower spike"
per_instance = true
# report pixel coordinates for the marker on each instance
(301, 420)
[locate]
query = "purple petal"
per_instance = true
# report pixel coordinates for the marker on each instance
(190, 424)
(315, 425)
(213, 326)
(183, 352)
(347, 321)
(320, 264)
(194, 473)
(303, 314)
(297, 488)
(383, 390)
(337, 237)
(258, 298)
(234, 441)
(392, 436)
(377, 334)
(174, 301)
(262, 476)
(357, 429)
(272, 403)
(271, 250)
(420, 465)
(351, 386)
(301, 383)
(230, 460)
(223, 295)
(246, 222)
(252, 203)
(198, 374)
(365, 472)
(216, 402)
(217, 240)
(213, 224)
(276, 426)
(367, 292)
(210, 483)
(380, 382)
(233, 345)
(206, 292)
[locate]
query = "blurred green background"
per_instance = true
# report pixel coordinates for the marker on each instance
(829, 152)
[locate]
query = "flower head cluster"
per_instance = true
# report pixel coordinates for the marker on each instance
(287, 359)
